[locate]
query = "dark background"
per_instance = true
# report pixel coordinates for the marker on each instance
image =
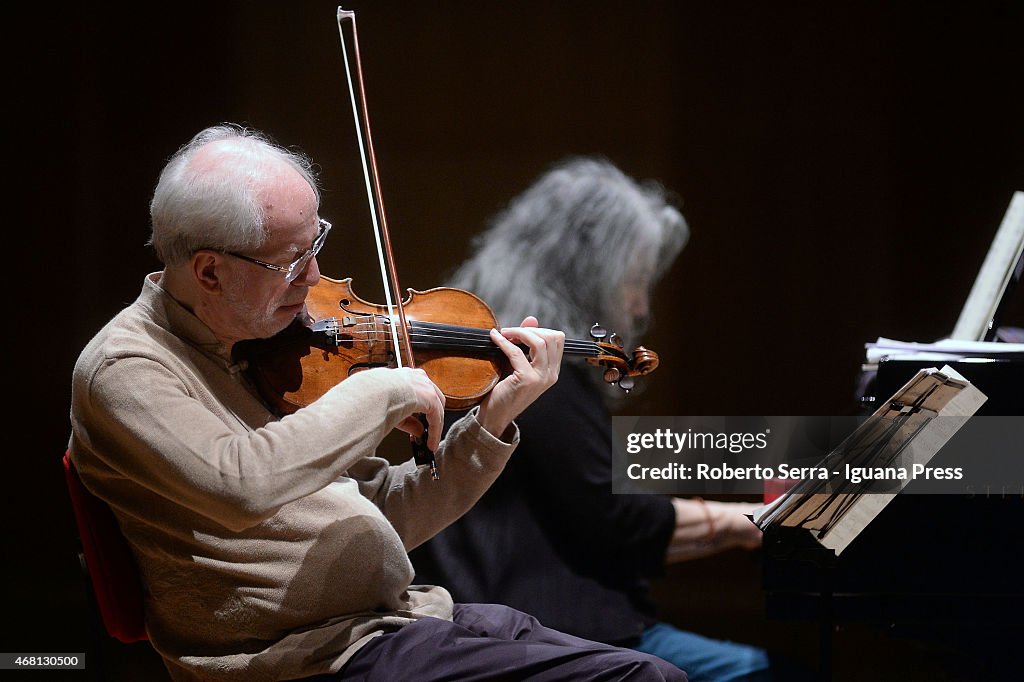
(843, 168)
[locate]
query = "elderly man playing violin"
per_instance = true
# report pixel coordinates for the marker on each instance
(273, 547)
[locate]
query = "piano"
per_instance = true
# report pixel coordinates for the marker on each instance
(943, 569)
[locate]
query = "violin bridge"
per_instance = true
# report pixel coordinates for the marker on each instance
(328, 328)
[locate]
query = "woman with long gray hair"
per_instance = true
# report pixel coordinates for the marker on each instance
(584, 244)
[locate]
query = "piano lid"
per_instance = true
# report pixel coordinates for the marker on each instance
(997, 279)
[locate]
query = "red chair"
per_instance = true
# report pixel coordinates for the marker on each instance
(109, 562)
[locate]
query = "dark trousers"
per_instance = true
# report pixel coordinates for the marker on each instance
(492, 642)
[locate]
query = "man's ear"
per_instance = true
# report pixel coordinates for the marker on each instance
(206, 266)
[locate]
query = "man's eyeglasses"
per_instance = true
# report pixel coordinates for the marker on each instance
(297, 266)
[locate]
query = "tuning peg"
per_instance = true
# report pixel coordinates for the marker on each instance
(613, 375)
(616, 339)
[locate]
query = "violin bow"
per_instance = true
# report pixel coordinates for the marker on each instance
(375, 198)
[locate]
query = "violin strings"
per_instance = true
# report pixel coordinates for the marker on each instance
(452, 332)
(438, 335)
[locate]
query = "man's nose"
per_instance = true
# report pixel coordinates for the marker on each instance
(310, 276)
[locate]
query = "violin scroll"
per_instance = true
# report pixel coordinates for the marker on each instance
(620, 369)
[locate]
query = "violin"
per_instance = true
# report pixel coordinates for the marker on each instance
(444, 331)
(448, 331)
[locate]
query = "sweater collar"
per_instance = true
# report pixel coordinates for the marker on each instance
(179, 320)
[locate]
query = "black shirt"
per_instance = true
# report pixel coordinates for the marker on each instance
(549, 537)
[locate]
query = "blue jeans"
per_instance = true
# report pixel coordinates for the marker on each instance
(705, 659)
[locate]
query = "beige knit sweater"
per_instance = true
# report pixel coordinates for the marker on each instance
(269, 548)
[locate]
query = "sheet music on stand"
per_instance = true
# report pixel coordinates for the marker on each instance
(908, 429)
(942, 350)
(977, 335)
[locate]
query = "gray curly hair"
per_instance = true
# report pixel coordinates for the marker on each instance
(563, 249)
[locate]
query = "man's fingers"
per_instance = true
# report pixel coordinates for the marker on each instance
(546, 345)
(429, 403)
(514, 353)
(412, 426)
(435, 423)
